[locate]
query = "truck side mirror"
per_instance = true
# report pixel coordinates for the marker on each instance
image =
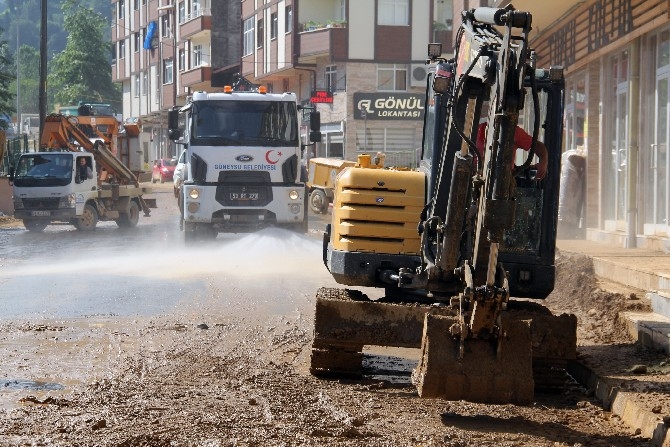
(174, 134)
(315, 127)
(173, 122)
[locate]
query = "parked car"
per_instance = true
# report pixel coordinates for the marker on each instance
(179, 173)
(163, 170)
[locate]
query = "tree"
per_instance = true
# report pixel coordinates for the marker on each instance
(6, 78)
(82, 72)
(28, 60)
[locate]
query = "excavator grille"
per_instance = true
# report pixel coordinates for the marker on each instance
(377, 211)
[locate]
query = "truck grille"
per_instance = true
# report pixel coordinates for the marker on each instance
(244, 189)
(44, 203)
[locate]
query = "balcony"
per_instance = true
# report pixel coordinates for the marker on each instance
(195, 77)
(323, 42)
(198, 24)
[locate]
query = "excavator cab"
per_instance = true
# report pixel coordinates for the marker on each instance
(527, 250)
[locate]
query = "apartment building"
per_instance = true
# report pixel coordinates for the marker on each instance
(163, 52)
(360, 63)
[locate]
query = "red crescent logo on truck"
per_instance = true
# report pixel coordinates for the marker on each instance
(267, 157)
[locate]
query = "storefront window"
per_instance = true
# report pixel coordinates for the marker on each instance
(575, 112)
(615, 158)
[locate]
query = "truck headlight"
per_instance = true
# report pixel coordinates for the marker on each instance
(295, 208)
(67, 201)
(194, 193)
(18, 204)
(293, 194)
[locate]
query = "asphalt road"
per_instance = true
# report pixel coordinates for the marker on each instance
(148, 270)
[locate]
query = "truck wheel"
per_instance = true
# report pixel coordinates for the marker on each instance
(318, 201)
(129, 219)
(36, 226)
(88, 219)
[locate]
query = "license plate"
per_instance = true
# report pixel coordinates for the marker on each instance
(243, 196)
(40, 213)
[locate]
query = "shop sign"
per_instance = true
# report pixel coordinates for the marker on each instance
(322, 97)
(388, 106)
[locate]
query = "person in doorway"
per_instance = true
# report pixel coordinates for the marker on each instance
(84, 171)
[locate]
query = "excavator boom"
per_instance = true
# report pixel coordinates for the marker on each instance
(64, 133)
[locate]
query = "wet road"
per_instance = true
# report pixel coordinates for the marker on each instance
(64, 273)
(73, 303)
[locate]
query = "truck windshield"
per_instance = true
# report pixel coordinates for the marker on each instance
(44, 170)
(245, 123)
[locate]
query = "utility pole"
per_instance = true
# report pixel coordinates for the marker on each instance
(43, 67)
(19, 125)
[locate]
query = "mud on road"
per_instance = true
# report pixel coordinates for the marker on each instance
(228, 366)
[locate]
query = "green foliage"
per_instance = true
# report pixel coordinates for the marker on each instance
(6, 78)
(82, 72)
(29, 77)
(21, 19)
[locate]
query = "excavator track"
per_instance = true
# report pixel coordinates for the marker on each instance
(531, 354)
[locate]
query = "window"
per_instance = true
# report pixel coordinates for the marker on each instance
(168, 65)
(393, 12)
(113, 54)
(248, 42)
(121, 11)
(122, 49)
(259, 34)
(182, 12)
(331, 77)
(137, 85)
(195, 9)
(136, 5)
(138, 42)
(288, 19)
(274, 25)
(166, 30)
(197, 55)
(391, 77)
(145, 83)
(182, 60)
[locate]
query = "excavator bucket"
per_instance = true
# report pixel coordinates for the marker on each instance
(531, 353)
(493, 371)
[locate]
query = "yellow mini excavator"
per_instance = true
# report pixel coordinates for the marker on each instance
(464, 246)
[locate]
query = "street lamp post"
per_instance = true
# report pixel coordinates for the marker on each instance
(364, 112)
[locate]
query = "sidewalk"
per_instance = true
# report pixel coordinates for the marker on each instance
(624, 394)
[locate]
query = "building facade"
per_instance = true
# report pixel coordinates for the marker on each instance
(617, 59)
(361, 64)
(163, 53)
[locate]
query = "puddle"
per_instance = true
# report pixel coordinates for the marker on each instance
(30, 385)
(392, 365)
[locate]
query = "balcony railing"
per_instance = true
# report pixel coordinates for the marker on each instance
(322, 41)
(194, 15)
(195, 26)
(196, 76)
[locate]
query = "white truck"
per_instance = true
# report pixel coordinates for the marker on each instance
(86, 172)
(243, 168)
